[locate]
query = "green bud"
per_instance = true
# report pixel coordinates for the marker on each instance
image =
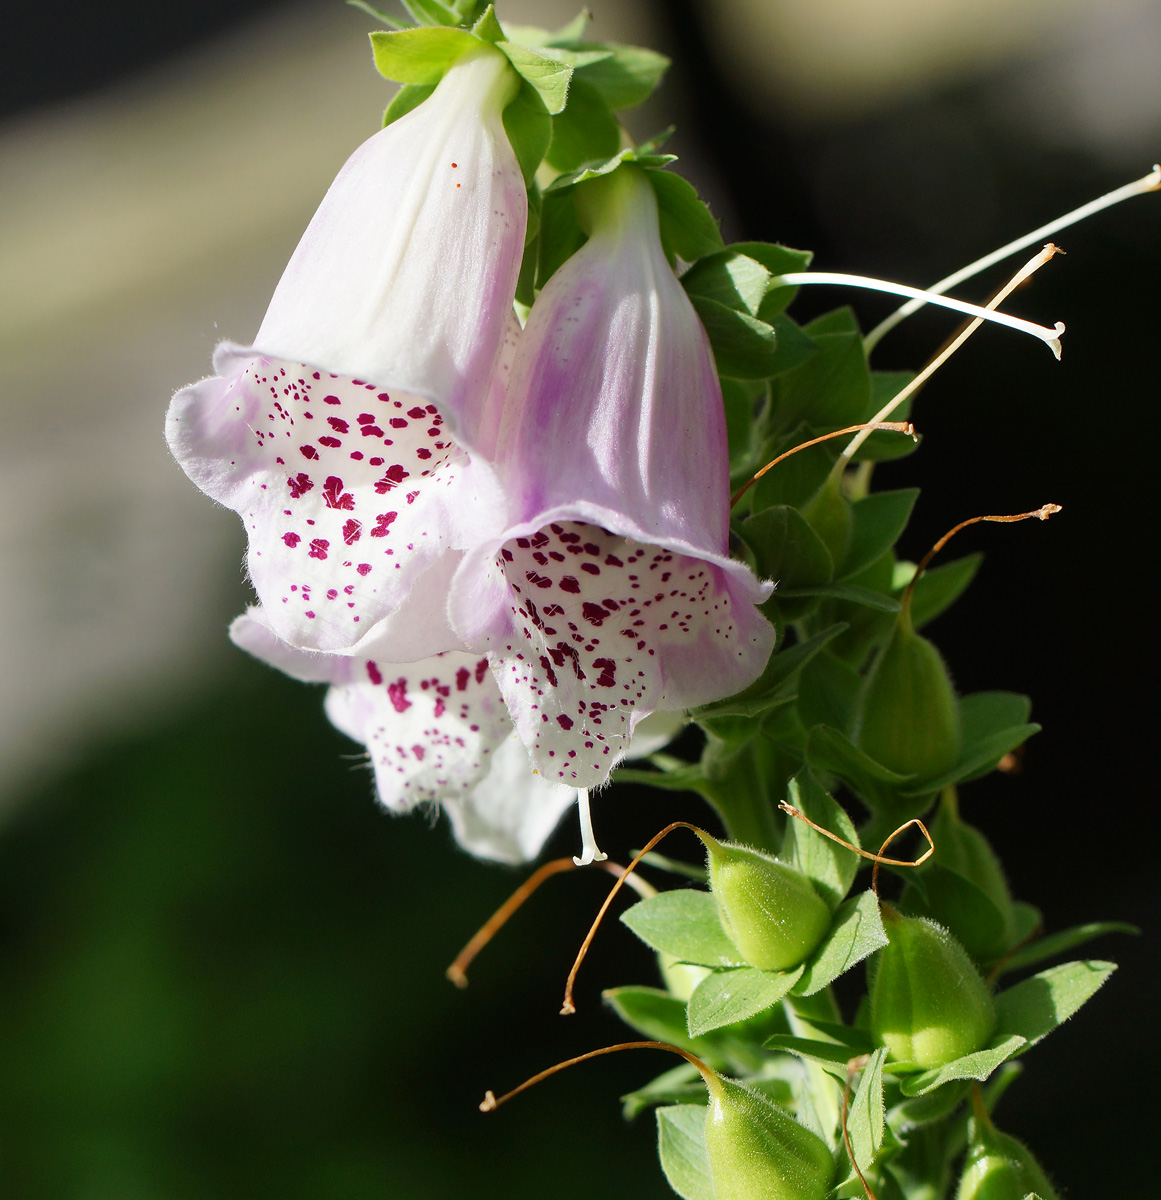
(757, 1151)
(998, 1167)
(770, 911)
(928, 1002)
(908, 718)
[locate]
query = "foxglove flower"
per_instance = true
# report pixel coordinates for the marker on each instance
(342, 436)
(611, 593)
(436, 731)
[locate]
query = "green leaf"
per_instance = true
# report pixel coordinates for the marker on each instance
(778, 260)
(533, 35)
(865, 1120)
(529, 129)
(881, 446)
(381, 17)
(681, 1085)
(831, 390)
(978, 758)
(585, 131)
(829, 750)
(729, 278)
(487, 27)
(838, 320)
(548, 76)
(409, 96)
(786, 549)
(938, 588)
(743, 346)
(831, 1054)
(876, 523)
(681, 1147)
(1059, 943)
(828, 690)
(771, 687)
(846, 591)
(949, 898)
(431, 12)
(915, 1111)
(984, 713)
(857, 932)
(627, 77)
(419, 55)
(1035, 1007)
(651, 1012)
(971, 1066)
(685, 923)
(792, 348)
(829, 866)
(729, 996)
(688, 229)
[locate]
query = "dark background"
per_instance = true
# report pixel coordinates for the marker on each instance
(221, 965)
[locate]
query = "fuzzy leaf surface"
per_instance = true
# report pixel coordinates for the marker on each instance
(829, 866)
(1036, 1006)
(685, 923)
(729, 996)
(971, 1066)
(856, 933)
(681, 1147)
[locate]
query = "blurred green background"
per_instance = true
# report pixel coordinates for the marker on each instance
(221, 966)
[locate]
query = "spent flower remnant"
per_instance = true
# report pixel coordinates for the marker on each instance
(611, 593)
(341, 436)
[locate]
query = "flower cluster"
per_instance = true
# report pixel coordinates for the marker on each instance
(502, 547)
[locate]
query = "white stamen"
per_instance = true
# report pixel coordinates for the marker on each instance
(1147, 183)
(1051, 337)
(590, 851)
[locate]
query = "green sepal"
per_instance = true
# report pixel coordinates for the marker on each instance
(376, 15)
(743, 346)
(914, 1111)
(730, 278)
(978, 1065)
(658, 1016)
(881, 446)
(830, 390)
(431, 12)
(684, 922)
(849, 592)
(1059, 943)
(409, 96)
(797, 478)
(949, 898)
(787, 550)
(938, 587)
(534, 35)
(729, 996)
(1035, 1007)
(877, 521)
(792, 348)
(529, 130)
(827, 691)
(679, 1085)
(421, 55)
(594, 170)
(831, 750)
(487, 28)
(976, 758)
(626, 76)
(688, 228)
(681, 1148)
(865, 1120)
(829, 866)
(585, 131)
(549, 77)
(856, 933)
(832, 1055)
(774, 686)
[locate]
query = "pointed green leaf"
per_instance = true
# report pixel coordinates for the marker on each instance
(431, 12)
(828, 690)
(743, 346)
(585, 131)
(409, 96)
(529, 129)
(882, 446)
(876, 523)
(680, 1085)
(971, 1066)
(420, 55)
(856, 933)
(831, 390)
(1059, 943)
(730, 278)
(983, 713)
(846, 591)
(684, 922)
(793, 347)
(533, 35)
(651, 1012)
(829, 750)
(865, 1119)
(829, 866)
(978, 758)
(832, 1055)
(628, 76)
(688, 229)
(786, 548)
(487, 27)
(1035, 1007)
(729, 996)
(373, 12)
(549, 76)
(938, 587)
(681, 1147)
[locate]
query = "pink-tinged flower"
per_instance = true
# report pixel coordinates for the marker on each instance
(344, 436)
(611, 593)
(436, 731)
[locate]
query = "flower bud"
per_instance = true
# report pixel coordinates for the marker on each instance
(928, 1002)
(769, 911)
(999, 1167)
(757, 1151)
(908, 718)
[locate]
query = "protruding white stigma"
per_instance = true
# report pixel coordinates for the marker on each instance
(590, 851)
